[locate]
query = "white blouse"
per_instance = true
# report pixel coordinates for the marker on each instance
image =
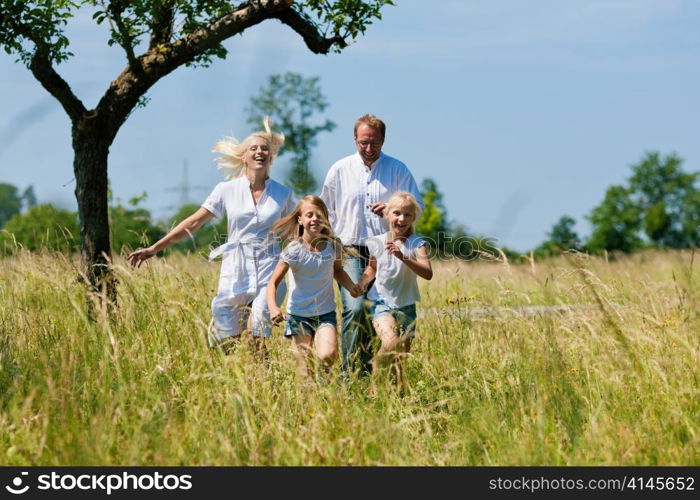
(350, 188)
(250, 253)
(311, 279)
(395, 283)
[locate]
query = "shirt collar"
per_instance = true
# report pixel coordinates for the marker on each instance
(373, 165)
(243, 179)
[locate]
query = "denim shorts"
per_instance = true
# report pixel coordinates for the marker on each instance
(405, 317)
(301, 325)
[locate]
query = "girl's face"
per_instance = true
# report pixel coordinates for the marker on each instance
(311, 219)
(257, 156)
(401, 217)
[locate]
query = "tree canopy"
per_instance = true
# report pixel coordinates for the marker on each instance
(660, 201)
(157, 37)
(291, 100)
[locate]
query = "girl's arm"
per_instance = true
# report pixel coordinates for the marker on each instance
(182, 230)
(344, 279)
(368, 275)
(421, 264)
(276, 314)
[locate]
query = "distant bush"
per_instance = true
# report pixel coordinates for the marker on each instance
(41, 227)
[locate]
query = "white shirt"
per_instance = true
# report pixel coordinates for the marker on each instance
(350, 188)
(311, 279)
(250, 254)
(395, 283)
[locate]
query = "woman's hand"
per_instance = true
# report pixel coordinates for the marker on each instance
(276, 315)
(138, 256)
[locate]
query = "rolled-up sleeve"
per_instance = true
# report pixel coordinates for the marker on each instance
(408, 183)
(328, 194)
(215, 201)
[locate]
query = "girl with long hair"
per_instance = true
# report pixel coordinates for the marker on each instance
(314, 256)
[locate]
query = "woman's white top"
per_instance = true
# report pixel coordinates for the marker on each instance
(395, 283)
(311, 279)
(250, 253)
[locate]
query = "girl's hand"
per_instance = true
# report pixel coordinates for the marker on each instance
(394, 250)
(378, 208)
(276, 315)
(138, 256)
(356, 291)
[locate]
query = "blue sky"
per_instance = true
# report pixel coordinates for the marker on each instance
(521, 111)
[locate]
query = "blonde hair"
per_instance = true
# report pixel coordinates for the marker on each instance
(232, 151)
(401, 197)
(371, 121)
(288, 228)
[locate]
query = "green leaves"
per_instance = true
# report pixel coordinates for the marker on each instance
(40, 23)
(345, 19)
(291, 101)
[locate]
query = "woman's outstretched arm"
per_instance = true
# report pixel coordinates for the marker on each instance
(185, 228)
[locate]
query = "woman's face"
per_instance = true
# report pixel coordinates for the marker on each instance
(257, 156)
(401, 218)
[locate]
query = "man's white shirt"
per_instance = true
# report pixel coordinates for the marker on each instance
(351, 188)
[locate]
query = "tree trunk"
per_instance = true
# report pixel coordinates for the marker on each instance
(91, 147)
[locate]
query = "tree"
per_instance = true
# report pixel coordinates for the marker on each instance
(433, 223)
(43, 227)
(616, 222)
(28, 197)
(171, 33)
(667, 196)
(10, 202)
(560, 238)
(290, 100)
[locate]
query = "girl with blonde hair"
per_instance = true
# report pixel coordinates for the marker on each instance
(397, 258)
(252, 203)
(314, 256)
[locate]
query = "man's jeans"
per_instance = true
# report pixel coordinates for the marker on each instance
(357, 327)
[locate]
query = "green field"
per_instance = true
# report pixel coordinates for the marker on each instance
(612, 381)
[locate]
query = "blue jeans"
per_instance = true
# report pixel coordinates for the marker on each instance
(302, 325)
(357, 327)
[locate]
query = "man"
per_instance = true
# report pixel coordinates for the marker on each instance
(356, 190)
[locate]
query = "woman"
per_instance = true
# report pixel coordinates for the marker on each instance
(252, 203)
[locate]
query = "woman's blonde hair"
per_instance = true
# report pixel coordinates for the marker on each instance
(401, 197)
(232, 151)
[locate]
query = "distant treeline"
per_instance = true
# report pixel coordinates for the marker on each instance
(657, 207)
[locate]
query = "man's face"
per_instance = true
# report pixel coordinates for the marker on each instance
(369, 143)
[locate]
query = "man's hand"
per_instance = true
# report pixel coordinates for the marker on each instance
(276, 315)
(137, 257)
(378, 208)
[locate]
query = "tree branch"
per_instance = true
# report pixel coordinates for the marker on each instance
(115, 10)
(42, 69)
(162, 27)
(315, 41)
(161, 59)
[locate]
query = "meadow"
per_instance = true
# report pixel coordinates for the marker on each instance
(612, 380)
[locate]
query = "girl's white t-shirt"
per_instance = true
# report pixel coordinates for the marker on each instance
(395, 283)
(311, 279)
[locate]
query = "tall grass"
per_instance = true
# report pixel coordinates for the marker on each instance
(612, 381)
